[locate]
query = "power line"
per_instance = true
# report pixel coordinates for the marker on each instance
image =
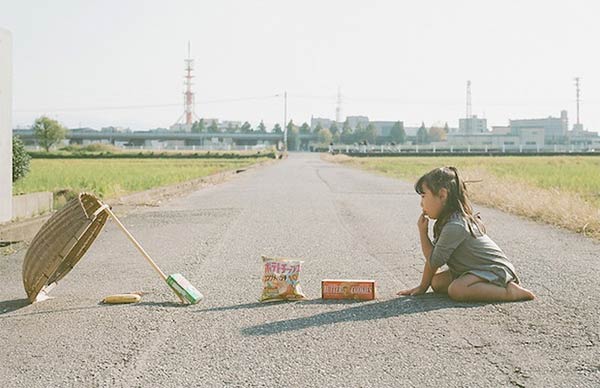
(389, 100)
(100, 108)
(311, 97)
(122, 107)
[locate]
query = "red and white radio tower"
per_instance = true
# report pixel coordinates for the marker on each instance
(188, 95)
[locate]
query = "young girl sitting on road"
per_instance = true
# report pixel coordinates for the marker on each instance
(478, 269)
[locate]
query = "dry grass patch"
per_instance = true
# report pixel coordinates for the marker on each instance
(564, 209)
(562, 191)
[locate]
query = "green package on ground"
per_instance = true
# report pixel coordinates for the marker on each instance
(184, 288)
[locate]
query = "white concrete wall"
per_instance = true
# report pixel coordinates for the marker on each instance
(5, 125)
(31, 205)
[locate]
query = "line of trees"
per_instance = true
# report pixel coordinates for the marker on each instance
(368, 134)
(50, 132)
(200, 126)
(346, 134)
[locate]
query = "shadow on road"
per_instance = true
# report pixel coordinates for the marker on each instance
(8, 306)
(45, 312)
(160, 304)
(363, 312)
(245, 306)
(279, 303)
(13, 305)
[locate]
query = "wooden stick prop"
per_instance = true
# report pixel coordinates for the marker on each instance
(186, 292)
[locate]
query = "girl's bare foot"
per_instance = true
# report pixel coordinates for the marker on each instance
(517, 292)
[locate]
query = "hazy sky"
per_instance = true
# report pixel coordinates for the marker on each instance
(100, 63)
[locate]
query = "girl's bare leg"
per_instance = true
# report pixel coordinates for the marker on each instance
(441, 281)
(471, 288)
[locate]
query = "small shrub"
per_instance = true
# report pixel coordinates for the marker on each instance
(20, 159)
(92, 148)
(101, 147)
(61, 197)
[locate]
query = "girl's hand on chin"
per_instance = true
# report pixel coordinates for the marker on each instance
(423, 223)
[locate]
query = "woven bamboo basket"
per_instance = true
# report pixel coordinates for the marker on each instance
(61, 243)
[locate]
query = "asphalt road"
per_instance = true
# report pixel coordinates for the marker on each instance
(343, 223)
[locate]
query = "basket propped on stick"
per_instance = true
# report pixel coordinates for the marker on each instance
(61, 243)
(67, 235)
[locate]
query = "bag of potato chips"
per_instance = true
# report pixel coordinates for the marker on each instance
(281, 280)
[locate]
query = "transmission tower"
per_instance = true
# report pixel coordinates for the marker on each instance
(188, 94)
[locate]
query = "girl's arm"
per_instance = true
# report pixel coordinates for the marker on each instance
(426, 245)
(428, 270)
(427, 248)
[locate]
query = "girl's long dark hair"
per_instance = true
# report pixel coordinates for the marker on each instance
(457, 201)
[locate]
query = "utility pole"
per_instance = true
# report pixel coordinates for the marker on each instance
(468, 107)
(338, 108)
(285, 120)
(577, 94)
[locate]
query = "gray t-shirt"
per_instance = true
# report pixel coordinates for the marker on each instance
(463, 253)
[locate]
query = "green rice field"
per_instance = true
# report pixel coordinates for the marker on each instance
(110, 178)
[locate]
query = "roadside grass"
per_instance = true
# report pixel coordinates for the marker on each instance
(560, 190)
(110, 178)
(106, 151)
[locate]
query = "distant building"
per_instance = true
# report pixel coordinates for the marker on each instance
(578, 128)
(115, 129)
(208, 122)
(580, 137)
(529, 138)
(316, 121)
(532, 137)
(181, 127)
(555, 128)
(501, 130)
(83, 129)
(227, 125)
(353, 121)
(384, 127)
(471, 125)
(500, 136)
